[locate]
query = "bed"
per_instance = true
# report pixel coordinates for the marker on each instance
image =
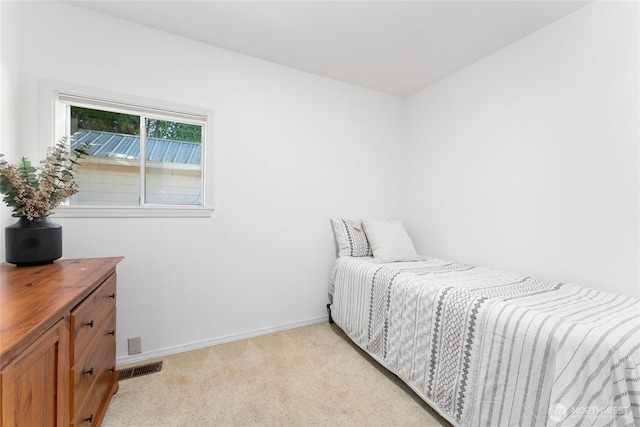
(488, 347)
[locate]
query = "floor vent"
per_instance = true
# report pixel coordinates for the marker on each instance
(138, 371)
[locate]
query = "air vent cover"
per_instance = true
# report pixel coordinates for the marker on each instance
(138, 371)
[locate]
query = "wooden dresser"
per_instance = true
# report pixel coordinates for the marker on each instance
(57, 342)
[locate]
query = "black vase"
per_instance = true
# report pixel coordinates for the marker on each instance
(34, 242)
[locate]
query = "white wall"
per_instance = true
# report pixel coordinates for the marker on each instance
(528, 159)
(291, 150)
(8, 104)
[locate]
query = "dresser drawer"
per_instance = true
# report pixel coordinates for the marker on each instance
(87, 369)
(94, 406)
(90, 315)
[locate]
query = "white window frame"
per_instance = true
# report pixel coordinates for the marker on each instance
(53, 127)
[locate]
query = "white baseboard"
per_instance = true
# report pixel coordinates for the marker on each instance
(154, 354)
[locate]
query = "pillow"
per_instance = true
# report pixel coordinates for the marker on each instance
(350, 238)
(389, 240)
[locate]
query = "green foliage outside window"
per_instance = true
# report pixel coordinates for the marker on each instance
(104, 121)
(129, 124)
(173, 130)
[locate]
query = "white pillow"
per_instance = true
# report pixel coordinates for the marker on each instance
(389, 240)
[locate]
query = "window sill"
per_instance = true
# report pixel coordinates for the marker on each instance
(132, 212)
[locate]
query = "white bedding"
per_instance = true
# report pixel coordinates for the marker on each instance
(486, 347)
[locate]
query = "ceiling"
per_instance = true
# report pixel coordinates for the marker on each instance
(395, 47)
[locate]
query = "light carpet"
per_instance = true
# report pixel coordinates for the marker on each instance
(311, 376)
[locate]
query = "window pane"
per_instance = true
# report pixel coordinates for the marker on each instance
(173, 154)
(110, 175)
(128, 165)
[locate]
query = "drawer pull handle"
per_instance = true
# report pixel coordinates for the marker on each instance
(90, 372)
(90, 324)
(90, 419)
(113, 333)
(113, 295)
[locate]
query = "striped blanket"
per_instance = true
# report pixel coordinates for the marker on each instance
(487, 347)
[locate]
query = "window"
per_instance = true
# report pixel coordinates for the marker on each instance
(144, 159)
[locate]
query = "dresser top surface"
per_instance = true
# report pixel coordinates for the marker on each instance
(34, 298)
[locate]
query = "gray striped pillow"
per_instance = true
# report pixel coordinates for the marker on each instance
(351, 238)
